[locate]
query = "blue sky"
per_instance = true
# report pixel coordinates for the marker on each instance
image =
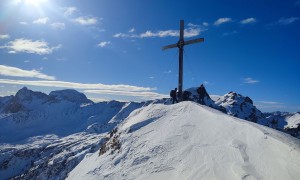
(111, 49)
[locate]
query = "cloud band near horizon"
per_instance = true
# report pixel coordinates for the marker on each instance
(16, 72)
(119, 90)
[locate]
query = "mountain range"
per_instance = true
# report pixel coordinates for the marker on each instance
(48, 136)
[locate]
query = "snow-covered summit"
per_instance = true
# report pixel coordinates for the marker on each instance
(70, 95)
(27, 95)
(48, 135)
(240, 106)
(191, 141)
(233, 104)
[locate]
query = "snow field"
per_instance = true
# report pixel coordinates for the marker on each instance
(190, 141)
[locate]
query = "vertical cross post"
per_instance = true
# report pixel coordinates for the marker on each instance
(180, 45)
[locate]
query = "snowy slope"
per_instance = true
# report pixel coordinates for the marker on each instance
(46, 136)
(61, 112)
(190, 141)
(285, 119)
(293, 121)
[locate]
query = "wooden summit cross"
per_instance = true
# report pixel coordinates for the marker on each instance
(180, 45)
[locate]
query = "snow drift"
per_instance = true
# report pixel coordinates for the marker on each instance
(190, 141)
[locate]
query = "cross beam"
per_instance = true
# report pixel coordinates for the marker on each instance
(180, 44)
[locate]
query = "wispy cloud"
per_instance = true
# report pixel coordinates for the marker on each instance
(4, 36)
(205, 24)
(16, 72)
(222, 21)
(287, 21)
(118, 90)
(70, 11)
(43, 20)
(297, 3)
(23, 23)
(249, 80)
(145, 95)
(85, 21)
(58, 25)
(268, 106)
(248, 21)
(131, 30)
(191, 31)
(168, 72)
(104, 44)
(29, 46)
(74, 85)
(270, 102)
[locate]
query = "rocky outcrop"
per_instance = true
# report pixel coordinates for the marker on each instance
(240, 106)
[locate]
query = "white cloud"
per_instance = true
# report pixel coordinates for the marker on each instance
(131, 30)
(249, 80)
(270, 102)
(193, 25)
(248, 21)
(151, 77)
(4, 36)
(16, 72)
(119, 90)
(104, 44)
(86, 21)
(41, 20)
(96, 100)
(145, 95)
(191, 31)
(121, 35)
(58, 25)
(70, 11)
(222, 21)
(23, 23)
(205, 24)
(287, 21)
(64, 84)
(168, 72)
(29, 46)
(270, 105)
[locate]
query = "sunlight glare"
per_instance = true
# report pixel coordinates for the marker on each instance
(35, 2)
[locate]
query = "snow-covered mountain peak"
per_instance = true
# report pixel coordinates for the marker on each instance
(48, 135)
(240, 106)
(70, 95)
(233, 97)
(191, 141)
(26, 95)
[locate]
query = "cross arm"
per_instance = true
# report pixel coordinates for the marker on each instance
(194, 41)
(169, 46)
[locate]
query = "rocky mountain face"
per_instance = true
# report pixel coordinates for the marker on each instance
(284, 121)
(48, 135)
(233, 104)
(240, 106)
